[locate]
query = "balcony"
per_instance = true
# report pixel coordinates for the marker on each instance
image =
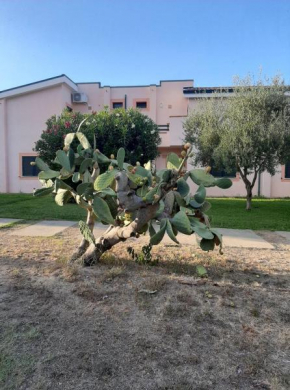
(163, 127)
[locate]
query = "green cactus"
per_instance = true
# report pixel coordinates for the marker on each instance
(86, 232)
(105, 180)
(173, 161)
(120, 195)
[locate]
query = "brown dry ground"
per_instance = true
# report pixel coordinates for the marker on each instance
(92, 328)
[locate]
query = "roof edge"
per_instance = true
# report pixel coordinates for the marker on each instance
(137, 86)
(5, 91)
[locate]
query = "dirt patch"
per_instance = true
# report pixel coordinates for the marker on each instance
(122, 325)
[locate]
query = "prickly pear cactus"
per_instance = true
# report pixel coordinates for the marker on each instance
(130, 198)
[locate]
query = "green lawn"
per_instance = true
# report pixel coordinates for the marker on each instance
(267, 214)
(25, 206)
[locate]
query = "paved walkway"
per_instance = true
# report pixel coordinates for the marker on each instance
(43, 229)
(244, 238)
(231, 238)
(7, 221)
(240, 238)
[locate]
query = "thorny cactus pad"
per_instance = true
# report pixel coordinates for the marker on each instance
(129, 198)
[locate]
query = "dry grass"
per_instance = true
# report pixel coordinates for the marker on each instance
(113, 273)
(122, 325)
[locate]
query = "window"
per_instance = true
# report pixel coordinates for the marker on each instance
(222, 173)
(141, 104)
(287, 170)
(117, 105)
(27, 169)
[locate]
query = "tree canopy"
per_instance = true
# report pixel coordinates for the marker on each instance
(130, 129)
(247, 130)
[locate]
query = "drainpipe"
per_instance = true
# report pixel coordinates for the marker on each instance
(259, 183)
(125, 102)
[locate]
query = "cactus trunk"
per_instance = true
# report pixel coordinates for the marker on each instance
(116, 234)
(84, 243)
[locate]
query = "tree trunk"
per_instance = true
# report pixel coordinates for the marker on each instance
(249, 199)
(248, 184)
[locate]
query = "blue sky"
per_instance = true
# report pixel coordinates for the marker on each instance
(133, 42)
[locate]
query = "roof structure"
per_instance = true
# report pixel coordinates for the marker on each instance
(42, 84)
(37, 85)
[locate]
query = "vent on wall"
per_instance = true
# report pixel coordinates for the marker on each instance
(78, 97)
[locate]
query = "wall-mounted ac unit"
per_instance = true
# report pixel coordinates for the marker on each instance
(78, 97)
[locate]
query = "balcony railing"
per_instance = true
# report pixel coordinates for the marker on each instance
(163, 127)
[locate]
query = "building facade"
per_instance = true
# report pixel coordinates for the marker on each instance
(25, 109)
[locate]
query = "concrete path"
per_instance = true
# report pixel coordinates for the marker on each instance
(7, 221)
(284, 234)
(243, 238)
(43, 229)
(231, 237)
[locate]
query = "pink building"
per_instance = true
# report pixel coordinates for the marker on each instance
(25, 109)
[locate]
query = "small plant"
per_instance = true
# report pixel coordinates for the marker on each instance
(201, 271)
(143, 257)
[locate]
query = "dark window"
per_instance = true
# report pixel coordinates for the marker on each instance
(141, 105)
(287, 170)
(222, 173)
(27, 169)
(117, 104)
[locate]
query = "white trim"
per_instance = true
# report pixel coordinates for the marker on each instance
(40, 85)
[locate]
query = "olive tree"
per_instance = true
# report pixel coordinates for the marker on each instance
(128, 198)
(247, 131)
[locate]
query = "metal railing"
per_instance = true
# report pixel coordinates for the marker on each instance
(163, 127)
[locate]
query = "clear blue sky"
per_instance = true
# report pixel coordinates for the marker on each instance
(129, 42)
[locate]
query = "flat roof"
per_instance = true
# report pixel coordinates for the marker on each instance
(137, 86)
(47, 82)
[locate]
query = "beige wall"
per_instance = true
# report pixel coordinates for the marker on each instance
(280, 187)
(170, 101)
(97, 98)
(3, 146)
(26, 115)
(164, 100)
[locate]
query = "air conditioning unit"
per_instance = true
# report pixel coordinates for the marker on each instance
(78, 97)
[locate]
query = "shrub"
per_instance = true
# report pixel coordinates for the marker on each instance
(130, 129)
